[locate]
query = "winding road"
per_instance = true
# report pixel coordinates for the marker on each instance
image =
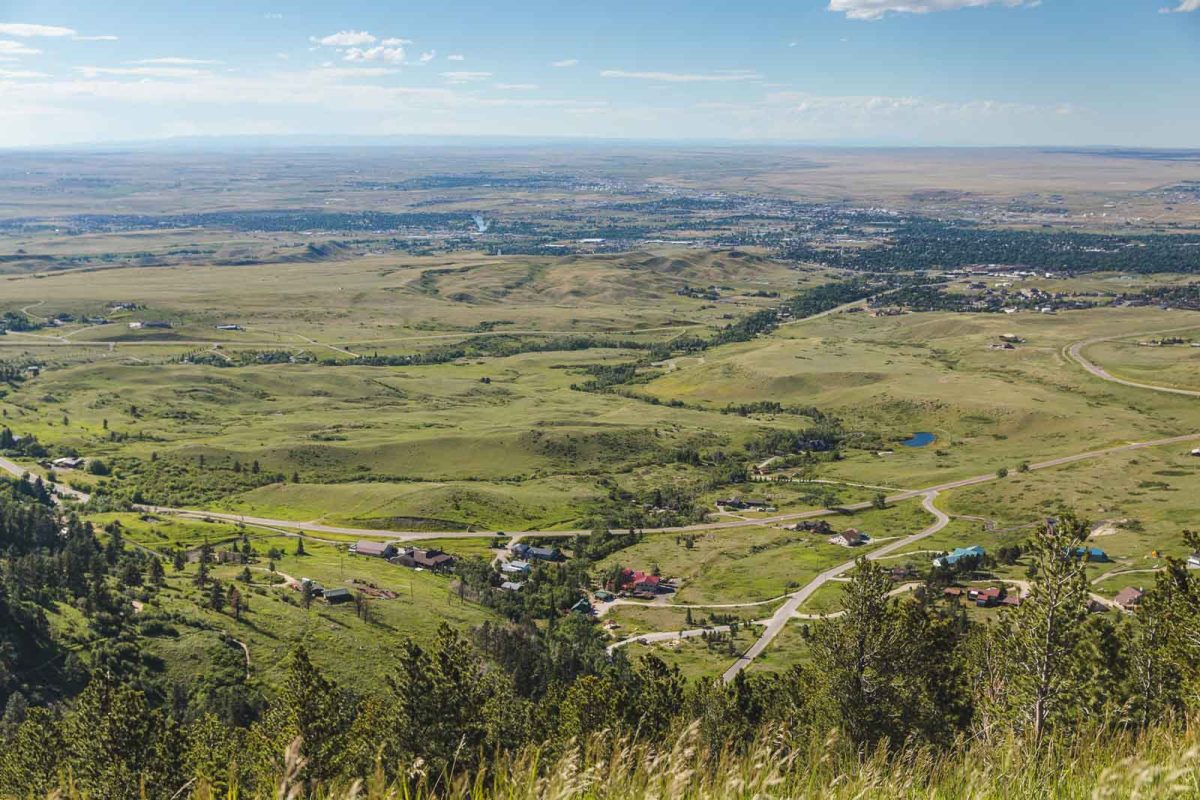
(1075, 353)
(789, 609)
(786, 611)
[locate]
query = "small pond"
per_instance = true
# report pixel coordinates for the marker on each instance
(919, 439)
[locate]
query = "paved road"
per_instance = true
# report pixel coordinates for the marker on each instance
(60, 490)
(668, 636)
(781, 617)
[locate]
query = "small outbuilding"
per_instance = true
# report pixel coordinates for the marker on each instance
(337, 596)
(1129, 598)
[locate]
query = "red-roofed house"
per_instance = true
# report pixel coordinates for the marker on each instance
(985, 598)
(640, 582)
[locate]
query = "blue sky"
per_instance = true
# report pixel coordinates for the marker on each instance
(927, 72)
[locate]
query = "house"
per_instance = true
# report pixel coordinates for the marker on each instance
(529, 553)
(512, 586)
(1196, 452)
(986, 598)
(818, 526)
(516, 567)
(137, 326)
(745, 505)
(1194, 560)
(1091, 554)
(1129, 598)
(72, 462)
(605, 597)
(851, 537)
(366, 547)
(640, 583)
(952, 592)
(336, 596)
(229, 327)
(952, 558)
(1012, 600)
(423, 558)
(901, 574)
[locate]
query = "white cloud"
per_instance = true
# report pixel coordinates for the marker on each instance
(26, 30)
(466, 77)
(391, 55)
(345, 39)
(456, 57)
(394, 42)
(877, 9)
(18, 74)
(682, 77)
(141, 72)
(1184, 7)
(516, 86)
(566, 62)
(9, 48)
(353, 72)
(175, 61)
(425, 58)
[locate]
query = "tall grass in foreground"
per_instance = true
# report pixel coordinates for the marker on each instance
(1161, 763)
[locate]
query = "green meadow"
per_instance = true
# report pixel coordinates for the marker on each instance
(484, 443)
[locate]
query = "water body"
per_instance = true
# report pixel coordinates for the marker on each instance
(920, 439)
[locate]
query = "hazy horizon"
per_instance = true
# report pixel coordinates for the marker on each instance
(1058, 73)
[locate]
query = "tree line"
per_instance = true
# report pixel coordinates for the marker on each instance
(890, 672)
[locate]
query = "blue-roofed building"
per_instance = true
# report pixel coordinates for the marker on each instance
(1091, 554)
(952, 558)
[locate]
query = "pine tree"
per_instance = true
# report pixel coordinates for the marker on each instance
(235, 602)
(887, 665)
(1036, 666)
(157, 575)
(109, 741)
(216, 597)
(32, 758)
